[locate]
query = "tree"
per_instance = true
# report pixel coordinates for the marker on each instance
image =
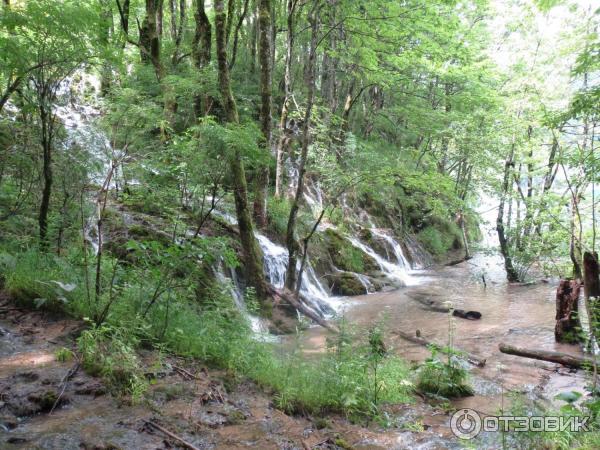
(52, 41)
(290, 238)
(252, 255)
(262, 178)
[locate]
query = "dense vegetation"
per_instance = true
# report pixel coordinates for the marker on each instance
(129, 128)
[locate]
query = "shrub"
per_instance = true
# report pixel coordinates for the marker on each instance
(109, 352)
(279, 212)
(445, 379)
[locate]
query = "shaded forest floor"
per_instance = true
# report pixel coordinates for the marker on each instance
(42, 406)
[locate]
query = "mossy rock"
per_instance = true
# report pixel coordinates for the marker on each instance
(347, 257)
(347, 284)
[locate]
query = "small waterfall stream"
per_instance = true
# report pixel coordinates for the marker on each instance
(393, 270)
(275, 266)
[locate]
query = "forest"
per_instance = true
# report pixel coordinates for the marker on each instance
(299, 224)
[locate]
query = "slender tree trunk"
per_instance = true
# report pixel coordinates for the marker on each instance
(287, 86)
(252, 255)
(201, 52)
(265, 48)
(46, 120)
(105, 32)
(575, 252)
(177, 31)
(292, 245)
(124, 18)
(159, 17)
(511, 272)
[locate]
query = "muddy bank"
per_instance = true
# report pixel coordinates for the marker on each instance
(40, 409)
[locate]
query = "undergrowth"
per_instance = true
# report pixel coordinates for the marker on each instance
(350, 377)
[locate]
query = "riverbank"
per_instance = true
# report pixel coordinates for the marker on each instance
(205, 407)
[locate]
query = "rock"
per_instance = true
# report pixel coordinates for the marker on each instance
(347, 257)
(8, 422)
(93, 388)
(347, 284)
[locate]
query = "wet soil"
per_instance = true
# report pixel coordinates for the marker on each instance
(49, 404)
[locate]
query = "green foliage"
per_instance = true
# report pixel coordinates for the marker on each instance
(40, 280)
(440, 238)
(109, 352)
(64, 355)
(279, 211)
(446, 379)
(350, 378)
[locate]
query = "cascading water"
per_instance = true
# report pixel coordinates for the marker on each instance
(275, 266)
(392, 270)
(258, 325)
(395, 246)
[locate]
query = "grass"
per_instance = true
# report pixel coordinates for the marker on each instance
(346, 379)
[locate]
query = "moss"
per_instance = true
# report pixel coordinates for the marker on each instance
(347, 284)
(347, 257)
(340, 442)
(440, 237)
(45, 401)
(235, 417)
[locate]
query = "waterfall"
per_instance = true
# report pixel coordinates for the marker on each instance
(258, 325)
(395, 246)
(275, 267)
(79, 122)
(392, 270)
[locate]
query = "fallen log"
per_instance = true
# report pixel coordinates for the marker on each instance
(288, 296)
(172, 435)
(458, 261)
(417, 339)
(436, 306)
(574, 361)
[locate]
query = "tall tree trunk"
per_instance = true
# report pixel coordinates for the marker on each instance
(177, 31)
(265, 48)
(287, 87)
(292, 244)
(201, 52)
(511, 272)
(105, 32)
(252, 255)
(47, 125)
(159, 17)
(445, 138)
(124, 16)
(149, 44)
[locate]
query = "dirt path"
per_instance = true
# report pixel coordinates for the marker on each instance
(206, 412)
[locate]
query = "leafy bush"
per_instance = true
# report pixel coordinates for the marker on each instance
(40, 280)
(109, 352)
(446, 379)
(279, 211)
(440, 237)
